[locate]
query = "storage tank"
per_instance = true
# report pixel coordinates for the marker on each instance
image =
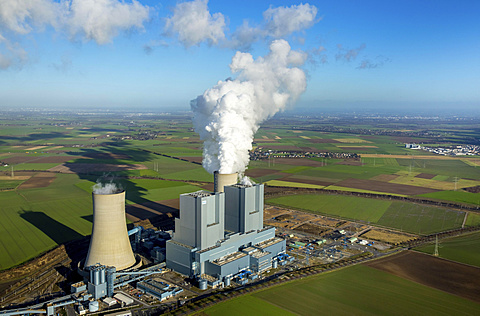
(227, 282)
(274, 264)
(202, 284)
(221, 180)
(93, 306)
(109, 243)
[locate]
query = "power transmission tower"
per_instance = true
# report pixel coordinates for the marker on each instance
(435, 253)
(456, 180)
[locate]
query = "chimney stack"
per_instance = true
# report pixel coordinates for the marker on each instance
(221, 180)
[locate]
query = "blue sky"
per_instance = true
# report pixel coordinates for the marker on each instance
(385, 53)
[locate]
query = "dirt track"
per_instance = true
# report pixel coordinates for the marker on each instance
(447, 276)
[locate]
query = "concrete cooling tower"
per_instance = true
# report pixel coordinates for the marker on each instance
(221, 180)
(109, 244)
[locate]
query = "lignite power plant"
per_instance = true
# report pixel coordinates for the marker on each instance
(219, 237)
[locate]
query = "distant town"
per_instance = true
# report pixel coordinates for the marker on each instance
(459, 150)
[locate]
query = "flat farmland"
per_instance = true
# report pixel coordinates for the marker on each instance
(455, 196)
(420, 219)
(356, 290)
(368, 210)
(408, 217)
(38, 219)
(464, 249)
(444, 275)
(386, 187)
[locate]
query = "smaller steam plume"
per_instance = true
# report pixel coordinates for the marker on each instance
(106, 188)
(228, 115)
(246, 181)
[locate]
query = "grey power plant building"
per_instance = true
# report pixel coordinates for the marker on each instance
(220, 235)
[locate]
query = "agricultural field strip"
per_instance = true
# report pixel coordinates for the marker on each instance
(464, 249)
(413, 218)
(336, 293)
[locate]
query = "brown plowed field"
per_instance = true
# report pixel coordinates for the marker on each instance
(425, 175)
(94, 167)
(194, 159)
(385, 177)
(447, 276)
(306, 181)
(40, 180)
(387, 187)
(299, 162)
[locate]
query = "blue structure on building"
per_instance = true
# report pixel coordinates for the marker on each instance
(221, 234)
(161, 290)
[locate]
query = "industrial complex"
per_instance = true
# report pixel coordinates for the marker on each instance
(219, 238)
(220, 235)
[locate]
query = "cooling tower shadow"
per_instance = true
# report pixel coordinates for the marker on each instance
(88, 218)
(57, 231)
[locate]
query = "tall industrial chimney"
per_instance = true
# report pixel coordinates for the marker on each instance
(221, 180)
(109, 244)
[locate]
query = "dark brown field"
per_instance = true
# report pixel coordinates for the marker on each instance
(385, 177)
(306, 181)
(305, 162)
(475, 189)
(447, 276)
(193, 159)
(425, 176)
(387, 187)
(40, 180)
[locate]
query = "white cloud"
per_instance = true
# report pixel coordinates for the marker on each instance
(277, 23)
(21, 16)
(101, 20)
(283, 21)
(98, 20)
(193, 24)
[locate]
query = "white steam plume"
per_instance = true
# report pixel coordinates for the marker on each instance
(246, 181)
(227, 115)
(106, 188)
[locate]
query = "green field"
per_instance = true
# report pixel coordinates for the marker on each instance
(420, 219)
(36, 220)
(464, 249)
(367, 210)
(455, 196)
(409, 217)
(357, 290)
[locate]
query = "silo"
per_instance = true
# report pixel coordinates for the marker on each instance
(109, 243)
(221, 180)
